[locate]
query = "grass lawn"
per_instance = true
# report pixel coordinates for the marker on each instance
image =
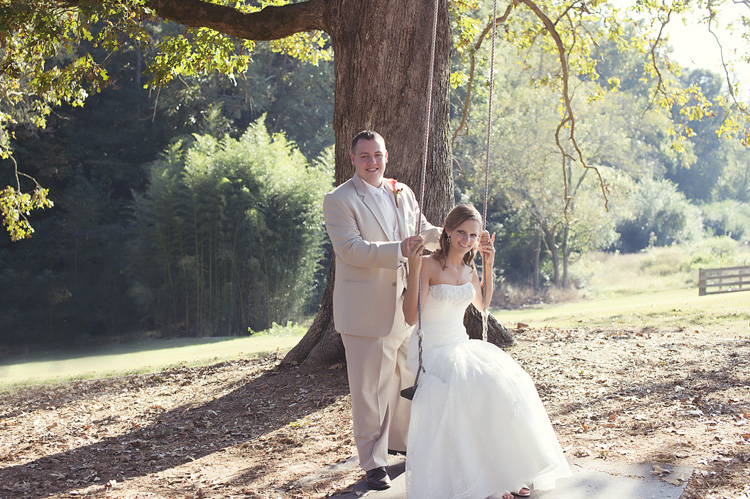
(147, 356)
(677, 308)
(682, 307)
(656, 288)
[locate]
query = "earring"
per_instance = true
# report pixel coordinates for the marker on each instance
(448, 238)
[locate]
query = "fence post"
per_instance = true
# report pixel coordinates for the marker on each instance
(701, 282)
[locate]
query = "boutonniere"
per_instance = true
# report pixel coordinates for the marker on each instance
(396, 190)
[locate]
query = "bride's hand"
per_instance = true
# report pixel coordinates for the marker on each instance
(414, 249)
(487, 246)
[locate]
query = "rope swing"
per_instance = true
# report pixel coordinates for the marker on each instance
(487, 163)
(409, 392)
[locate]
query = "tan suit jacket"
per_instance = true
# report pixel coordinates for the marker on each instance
(369, 278)
(367, 311)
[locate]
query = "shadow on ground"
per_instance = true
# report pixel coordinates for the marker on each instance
(177, 436)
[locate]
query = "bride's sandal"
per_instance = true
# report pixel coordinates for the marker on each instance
(508, 495)
(524, 492)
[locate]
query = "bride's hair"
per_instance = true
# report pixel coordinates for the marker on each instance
(456, 217)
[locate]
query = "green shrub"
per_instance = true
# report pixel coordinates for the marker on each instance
(664, 262)
(229, 234)
(662, 216)
(728, 218)
(713, 252)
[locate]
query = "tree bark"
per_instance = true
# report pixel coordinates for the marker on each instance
(537, 255)
(381, 68)
(320, 345)
(381, 62)
(496, 332)
(549, 240)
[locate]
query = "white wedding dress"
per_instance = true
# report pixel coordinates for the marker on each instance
(478, 427)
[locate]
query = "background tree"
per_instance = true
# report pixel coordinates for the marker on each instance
(662, 216)
(95, 157)
(525, 164)
(229, 234)
(697, 177)
(734, 182)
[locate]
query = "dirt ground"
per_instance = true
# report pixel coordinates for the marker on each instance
(252, 429)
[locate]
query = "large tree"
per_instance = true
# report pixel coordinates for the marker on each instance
(382, 73)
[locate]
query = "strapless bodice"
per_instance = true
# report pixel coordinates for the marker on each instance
(443, 314)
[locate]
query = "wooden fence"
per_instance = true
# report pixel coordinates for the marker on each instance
(726, 280)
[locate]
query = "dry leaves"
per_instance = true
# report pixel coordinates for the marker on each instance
(668, 396)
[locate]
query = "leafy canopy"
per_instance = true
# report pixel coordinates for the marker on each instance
(45, 61)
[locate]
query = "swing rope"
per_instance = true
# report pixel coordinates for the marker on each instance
(425, 150)
(409, 392)
(487, 167)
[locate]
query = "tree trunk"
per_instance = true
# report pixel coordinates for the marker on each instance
(496, 332)
(382, 54)
(537, 255)
(565, 258)
(321, 345)
(549, 240)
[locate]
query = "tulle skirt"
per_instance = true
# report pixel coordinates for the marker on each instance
(478, 427)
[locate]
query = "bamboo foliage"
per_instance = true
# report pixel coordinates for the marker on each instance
(229, 234)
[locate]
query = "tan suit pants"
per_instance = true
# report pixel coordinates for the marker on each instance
(378, 371)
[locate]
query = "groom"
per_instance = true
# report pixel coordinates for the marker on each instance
(371, 221)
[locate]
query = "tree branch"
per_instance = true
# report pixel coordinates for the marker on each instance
(660, 87)
(570, 117)
(730, 86)
(271, 23)
(472, 56)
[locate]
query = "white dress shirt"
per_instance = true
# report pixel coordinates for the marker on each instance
(388, 205)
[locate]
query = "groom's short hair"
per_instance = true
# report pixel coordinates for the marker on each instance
(366, 135)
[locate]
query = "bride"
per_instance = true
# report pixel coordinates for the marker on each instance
(478, 427)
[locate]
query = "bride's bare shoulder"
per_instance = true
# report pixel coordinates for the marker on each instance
(431, 261)
(431, 266)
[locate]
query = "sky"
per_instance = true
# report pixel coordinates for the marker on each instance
(695, 47)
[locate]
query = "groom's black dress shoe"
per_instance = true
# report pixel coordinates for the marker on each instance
(377, 479)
